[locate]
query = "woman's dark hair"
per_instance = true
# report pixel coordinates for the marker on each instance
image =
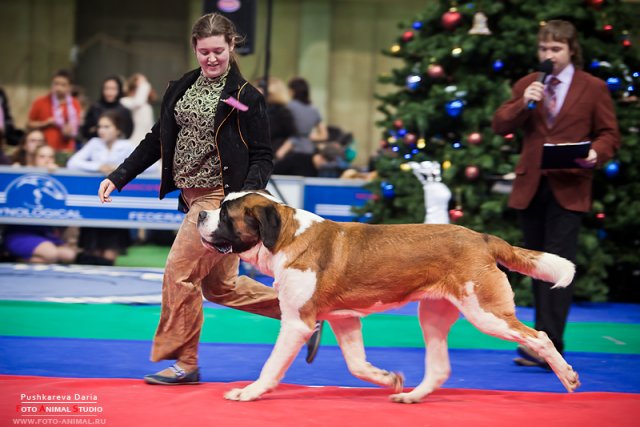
(116, 118)
(20, 154)
(299, 90)
(118, 81)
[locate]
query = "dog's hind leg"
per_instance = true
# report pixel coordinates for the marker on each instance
(489, 307)
(436, 318)
(348, 332)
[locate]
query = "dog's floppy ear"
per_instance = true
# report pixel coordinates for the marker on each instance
(268, 224)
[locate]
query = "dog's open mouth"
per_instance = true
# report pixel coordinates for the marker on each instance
(222, 247)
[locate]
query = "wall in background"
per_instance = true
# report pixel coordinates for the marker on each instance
(335, 44)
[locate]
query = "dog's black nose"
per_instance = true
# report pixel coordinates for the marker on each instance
(202, 216)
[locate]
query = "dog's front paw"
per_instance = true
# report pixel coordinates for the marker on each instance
(247, 394)
(405, 398)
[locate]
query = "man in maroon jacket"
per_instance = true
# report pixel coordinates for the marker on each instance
(572, 106)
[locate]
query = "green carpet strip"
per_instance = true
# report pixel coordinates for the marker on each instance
(138, 322)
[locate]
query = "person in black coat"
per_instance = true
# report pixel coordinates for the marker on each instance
(8, 130)
(110, 94)
(212, 138)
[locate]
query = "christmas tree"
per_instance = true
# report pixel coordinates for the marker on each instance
(459, 62)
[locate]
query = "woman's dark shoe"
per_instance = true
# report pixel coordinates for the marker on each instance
(181, 377)
(314, 342)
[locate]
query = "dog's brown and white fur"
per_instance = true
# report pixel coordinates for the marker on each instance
(344, 271)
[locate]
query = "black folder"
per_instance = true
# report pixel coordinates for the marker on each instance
(561, 156)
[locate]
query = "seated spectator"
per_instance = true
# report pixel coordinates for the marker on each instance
(138, 100)
(106, 151)
(45, 157)
(281, 123)
(110, 95)
(38, 244)
(57, 114)
(304, 164)
(307, 118)
(103, 154)
(24, 155)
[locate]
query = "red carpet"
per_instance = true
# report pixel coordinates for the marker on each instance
(120, 402)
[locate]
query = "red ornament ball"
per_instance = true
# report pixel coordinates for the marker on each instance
(407, 36)
(451, 19)
(601, 216)
(398, 123)
(435, 71)
(455, 214)
(472, 172)
(474, 138)
(596, 4)
(626, 43)
(608, 27)
(410, 138)
(509, 137)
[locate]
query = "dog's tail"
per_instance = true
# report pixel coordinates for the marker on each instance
(539, 265)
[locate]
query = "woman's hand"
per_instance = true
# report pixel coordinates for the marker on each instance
(106, 187)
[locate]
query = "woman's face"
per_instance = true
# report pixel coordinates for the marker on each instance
(110, 91)
(213, 55)
(34, 140)
(45, 157)
(107, 130)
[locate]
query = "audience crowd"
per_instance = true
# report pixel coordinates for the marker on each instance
(65, 130)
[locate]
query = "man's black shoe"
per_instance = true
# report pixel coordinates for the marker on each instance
(530, 358)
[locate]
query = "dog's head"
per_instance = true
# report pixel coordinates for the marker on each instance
(244, 220)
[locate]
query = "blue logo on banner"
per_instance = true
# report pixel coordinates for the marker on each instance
(37, 191)
(37, 196)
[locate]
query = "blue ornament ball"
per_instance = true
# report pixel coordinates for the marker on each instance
(614, 84)
(612, 169)
(417, 25)
(454, 108)
(413, 81)
(498, 65)
(602, 234)
(594, 64)
(388, 190)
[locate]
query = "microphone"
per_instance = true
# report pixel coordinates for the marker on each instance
(545, 69)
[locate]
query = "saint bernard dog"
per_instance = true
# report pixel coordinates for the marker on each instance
(341, 272)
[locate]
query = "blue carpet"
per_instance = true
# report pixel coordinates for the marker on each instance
(473, 369)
